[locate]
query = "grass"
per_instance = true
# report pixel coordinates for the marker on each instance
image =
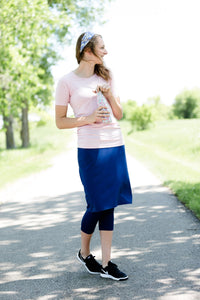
(46, 142)
(171, 150)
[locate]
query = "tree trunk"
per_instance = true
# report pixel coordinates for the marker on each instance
(8, 125)
(25, 128)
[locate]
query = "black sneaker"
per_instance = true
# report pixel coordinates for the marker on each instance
(90, 263)
(112, 271)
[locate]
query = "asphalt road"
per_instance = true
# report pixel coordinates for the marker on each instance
(156, 240)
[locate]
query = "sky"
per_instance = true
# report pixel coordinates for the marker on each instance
(153, 48)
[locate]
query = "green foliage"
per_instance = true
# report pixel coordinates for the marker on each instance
(171, 150)
(140, 117)
(171, 115)
(31, 32)
(24, 46)
(128, 108)
(161, 111)
(77, 13)
(188, 193)
(187, 104)
(41, 123)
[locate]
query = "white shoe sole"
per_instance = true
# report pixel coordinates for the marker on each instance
(113, 278)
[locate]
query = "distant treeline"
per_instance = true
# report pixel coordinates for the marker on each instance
(186, 106)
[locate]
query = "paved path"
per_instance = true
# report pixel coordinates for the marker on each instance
(156, 240)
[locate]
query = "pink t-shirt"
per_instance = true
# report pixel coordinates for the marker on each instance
(79, 93)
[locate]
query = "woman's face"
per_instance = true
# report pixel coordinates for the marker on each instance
(100, 50)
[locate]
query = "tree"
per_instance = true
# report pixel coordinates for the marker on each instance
(161, 111)
(21, 52)
(187, 104)
(128, 108)
(30, 31)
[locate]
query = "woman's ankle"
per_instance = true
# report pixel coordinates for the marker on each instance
(105, 264)
(85, 254)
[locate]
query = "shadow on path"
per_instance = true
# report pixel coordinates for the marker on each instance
(156, 241)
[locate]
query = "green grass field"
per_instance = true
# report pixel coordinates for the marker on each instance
(46, 142)
(171, 150)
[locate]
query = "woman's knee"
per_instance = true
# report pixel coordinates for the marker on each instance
(89, 222)
(106, 220)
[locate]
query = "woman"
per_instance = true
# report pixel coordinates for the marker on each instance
(101, 154)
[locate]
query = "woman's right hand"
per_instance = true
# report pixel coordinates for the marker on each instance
(98, 115)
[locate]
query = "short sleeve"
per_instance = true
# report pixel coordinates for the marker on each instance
(62, 96)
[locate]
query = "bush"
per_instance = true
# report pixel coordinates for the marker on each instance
(128, 108)
(161, 110)
(41, 123)
(187, 104)
(140, 117)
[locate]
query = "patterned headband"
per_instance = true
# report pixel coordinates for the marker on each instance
(85, 39)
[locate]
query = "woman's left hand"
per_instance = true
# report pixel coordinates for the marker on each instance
(113, 101)
(105, 89)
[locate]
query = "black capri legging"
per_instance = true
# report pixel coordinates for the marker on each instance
(105, 219)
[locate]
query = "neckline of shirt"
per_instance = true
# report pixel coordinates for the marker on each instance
(83, 78)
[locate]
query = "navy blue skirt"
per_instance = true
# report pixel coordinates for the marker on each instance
(105, 178)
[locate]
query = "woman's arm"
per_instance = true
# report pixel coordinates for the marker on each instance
(116, 106)
(64, 122)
